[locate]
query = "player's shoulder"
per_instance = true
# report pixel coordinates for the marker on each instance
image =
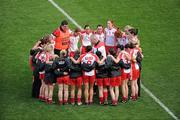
(82, 55)
(56, 32)
(105, 29)
(70, 31)
(101, 44)
(71, 36)
(114, 29)
(94, 55)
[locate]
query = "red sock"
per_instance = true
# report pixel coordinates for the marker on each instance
(113, 101)
(78, 100)
(133, 98)
(46, 100)
(105, 94)
(60, 102)
(72, 100)
(43, 98)
(123, 98)
(65, 101)
(90, 102)
(136, 95)
(101, 100)
(50, 101)
(40, 97)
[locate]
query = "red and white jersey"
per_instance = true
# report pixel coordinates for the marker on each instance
(53, 45)
(109, 37)
(74, 43)
(86, 39)
(101, 36)
(100, 47)
(133, 39)
(89, 58)
(43, 56)
(133, 55)
(123, 57)
(123, 40)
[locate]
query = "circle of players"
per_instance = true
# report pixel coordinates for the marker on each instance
(87, 62)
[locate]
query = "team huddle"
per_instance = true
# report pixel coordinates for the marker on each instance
(82, 61)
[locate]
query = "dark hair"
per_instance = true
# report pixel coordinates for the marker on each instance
(118, 33)
(127, 46)
(32, 52)
(131, 46)
(98, 53)
(112, 52)
(64, 22)
(111, 21)
(77, 52)
(88, 48)
(121, 47)
(63, 53)
(44, 40)
(133, 31)
(77, 30)
(86, 26)
(114, 25)
(99, 25)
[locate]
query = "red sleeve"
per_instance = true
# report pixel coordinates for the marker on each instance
(80, 58)
(37, 55)
(83, 31)
(93, 31)
(56, 33)
(120, 55)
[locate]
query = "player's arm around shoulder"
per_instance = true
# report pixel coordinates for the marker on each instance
(75, 61)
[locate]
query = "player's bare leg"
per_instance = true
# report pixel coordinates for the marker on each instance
(51, 89)
(126, 87)
(133, 90)
(112, 95)
(101, 101)
(60, 94)
(116, 94)
(66, 94)
(123, 91)
(79, 94)
(91, 93)
(136, 89)
(42, 91)
(46, 93)
(72, 94)
(105, 95)
(86, 93)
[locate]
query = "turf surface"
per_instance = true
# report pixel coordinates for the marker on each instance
(24, 22)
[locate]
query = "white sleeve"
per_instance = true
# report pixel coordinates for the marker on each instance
(103, 51)
(53, 36)
(70, 31)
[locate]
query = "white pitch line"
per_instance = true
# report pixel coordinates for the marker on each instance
(159, 102)
(143, 87)
(64, 13)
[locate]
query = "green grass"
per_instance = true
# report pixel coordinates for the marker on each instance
(24, 22)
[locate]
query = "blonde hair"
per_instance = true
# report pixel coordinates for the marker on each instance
(94, 36)
(63, 53)
(127, 27)
(48, 47)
